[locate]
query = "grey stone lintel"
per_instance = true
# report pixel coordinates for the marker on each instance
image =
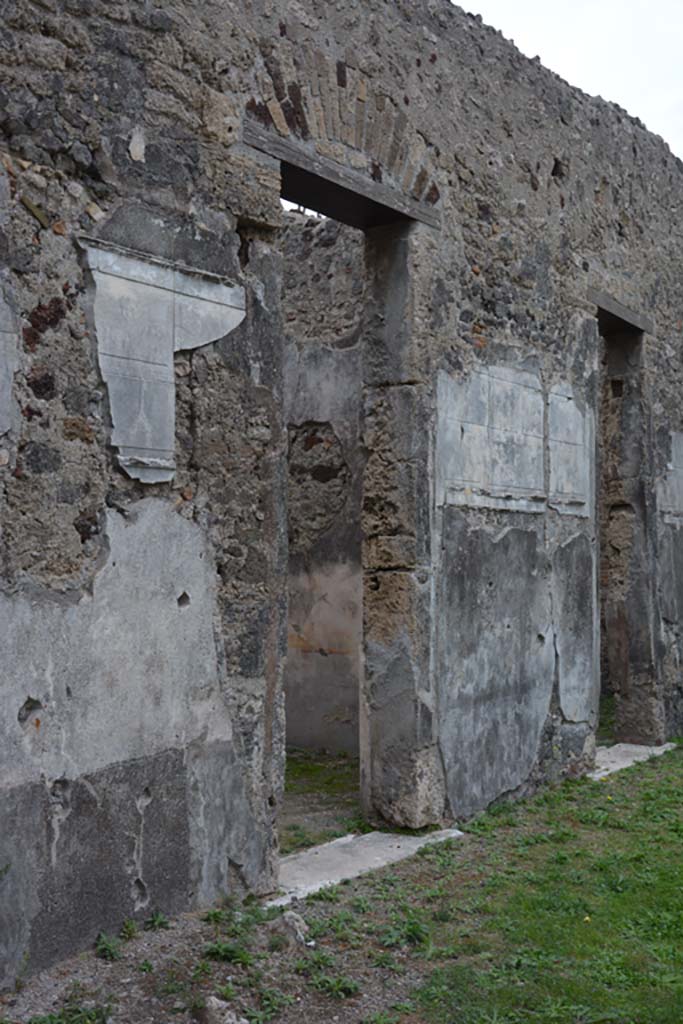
(302, 166)
(607, 303)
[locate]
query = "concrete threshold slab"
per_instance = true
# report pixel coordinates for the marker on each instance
(622, 755)
(348, 857)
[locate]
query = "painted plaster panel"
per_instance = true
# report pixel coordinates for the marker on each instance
(576, 629)
(571, 444)
(490, 440)
(144, 312)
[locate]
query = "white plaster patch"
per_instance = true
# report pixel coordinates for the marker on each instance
(8, 363)
(670, 489)
(490, 440)
(571, 445)
(136, 146)
(146, 310)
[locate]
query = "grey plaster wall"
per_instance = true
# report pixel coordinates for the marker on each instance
(516, 606)
(496, 659)
(133, 740)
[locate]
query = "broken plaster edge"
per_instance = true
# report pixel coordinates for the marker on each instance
(87, 242)
(140, 269)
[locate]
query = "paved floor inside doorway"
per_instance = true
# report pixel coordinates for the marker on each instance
(321, 800)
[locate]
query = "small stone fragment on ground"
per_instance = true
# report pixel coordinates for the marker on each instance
(291, 926)
(215, 1011)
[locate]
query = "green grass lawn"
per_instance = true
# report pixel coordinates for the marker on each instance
(575, 912)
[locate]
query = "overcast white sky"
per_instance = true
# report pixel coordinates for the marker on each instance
(627, 51)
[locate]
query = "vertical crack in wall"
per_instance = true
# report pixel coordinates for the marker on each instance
(60, 809)
(139, 889)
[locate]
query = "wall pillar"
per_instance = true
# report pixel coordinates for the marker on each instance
(401, 773)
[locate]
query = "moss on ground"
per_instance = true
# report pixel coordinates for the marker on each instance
(606, 731)
(321, 799)
(314, 773)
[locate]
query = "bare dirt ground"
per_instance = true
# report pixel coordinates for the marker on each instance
(165, 976)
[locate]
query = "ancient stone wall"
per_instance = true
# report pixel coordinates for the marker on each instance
(144, 623)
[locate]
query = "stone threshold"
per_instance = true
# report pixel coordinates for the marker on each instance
(622, 755)
(302, 874)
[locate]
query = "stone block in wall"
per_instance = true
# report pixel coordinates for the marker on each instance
(404, 780)
(397, 488)
(391, 346)
(391, 498)
(396, 609)
(395, 421)
(391, 552)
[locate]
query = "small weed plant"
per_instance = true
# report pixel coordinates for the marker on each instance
(156, 922)
(107, 947)
(129, 930)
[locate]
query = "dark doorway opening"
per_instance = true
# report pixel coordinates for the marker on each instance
(323, 298)
(626, 658)
(333, 260)
(303, 188)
